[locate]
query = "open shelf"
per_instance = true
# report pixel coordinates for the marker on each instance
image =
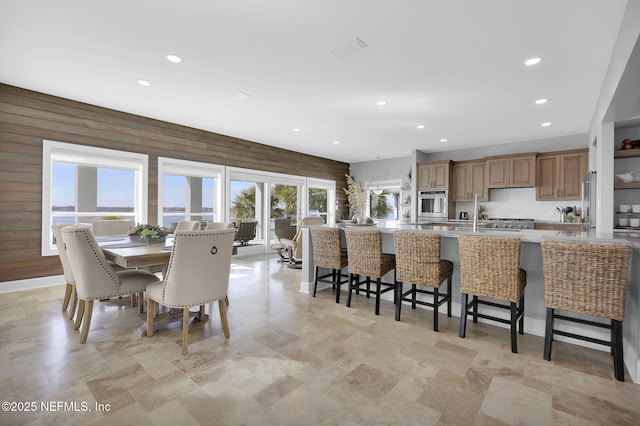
(626, 153)
(626, 185)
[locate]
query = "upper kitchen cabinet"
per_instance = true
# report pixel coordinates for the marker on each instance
(434, 175)
(560, 175)
(514, 171)
(470, 178)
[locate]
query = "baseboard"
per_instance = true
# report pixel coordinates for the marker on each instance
(31, 283)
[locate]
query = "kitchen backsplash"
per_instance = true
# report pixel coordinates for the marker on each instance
(517, 203)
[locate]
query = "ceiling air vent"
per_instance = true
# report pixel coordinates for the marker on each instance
(349, 48)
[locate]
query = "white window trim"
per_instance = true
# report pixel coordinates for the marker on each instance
(91, 156)
(193, 169)
(330, 186)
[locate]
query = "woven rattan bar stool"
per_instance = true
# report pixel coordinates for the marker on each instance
(365, 256)
(587, 279)
(418, 262)
(328, 253)
(490, 267)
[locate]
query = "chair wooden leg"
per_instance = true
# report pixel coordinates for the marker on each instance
(350, 288)
(475, 309)
(514, 333)
(548, 334)
(88, 310)
(315, 282)
(67, 296)
(133, 300)
(223, 318)
(141, 301)
(338, 284)
(398, 286)
(226, 300)
(73, 302)
(463, 314)
(79, 315)
(150, 314)
(201, 314)
(436, 305)
(413, 296)
(185, 330)
(618, 357)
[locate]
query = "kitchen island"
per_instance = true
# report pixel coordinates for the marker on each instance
(531, 261)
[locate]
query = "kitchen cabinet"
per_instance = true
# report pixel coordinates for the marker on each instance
(435, 175)
(559, 175)
(515, 171)
(470, 178)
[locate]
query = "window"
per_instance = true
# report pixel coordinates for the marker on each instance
(82, 183)
(387, 204)
(189, 190)
(322, 199)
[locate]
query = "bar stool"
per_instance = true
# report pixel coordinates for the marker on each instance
(418, 262)
(587, 279)
(490, 267)
(365, 257)
(328, 253)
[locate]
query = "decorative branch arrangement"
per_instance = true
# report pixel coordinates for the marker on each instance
(355, 194)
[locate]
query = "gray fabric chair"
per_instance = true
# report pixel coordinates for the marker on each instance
(198, 274)
(94, 276)
(246, 231)
(102, 227)
(70, 297)
(188, 225)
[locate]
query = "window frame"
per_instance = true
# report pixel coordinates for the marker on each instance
(53, 151)
(199, 169)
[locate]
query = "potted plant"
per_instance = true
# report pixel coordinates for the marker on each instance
(149, 234)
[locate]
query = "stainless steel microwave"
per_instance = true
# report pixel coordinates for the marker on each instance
(433, 204)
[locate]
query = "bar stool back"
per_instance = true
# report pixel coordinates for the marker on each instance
(418, 262)
(328, 253)
(365, 257)
(588, 279)
(490, 267)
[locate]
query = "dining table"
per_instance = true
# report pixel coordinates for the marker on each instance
(129, 254)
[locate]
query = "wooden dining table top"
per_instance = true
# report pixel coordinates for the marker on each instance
(138, 256)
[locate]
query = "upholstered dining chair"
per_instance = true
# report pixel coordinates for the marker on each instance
(102, 227)
(94, 276)
(188, 225)
(70, 300)
(198, 274)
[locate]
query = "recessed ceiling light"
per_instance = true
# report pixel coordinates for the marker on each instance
(541, 101)
(336, 142)
(296, 130)
(174, 58)
(144, 83)
(381, 103)
(443, 140)
(420, 126)
(532, 61)
(546, 124)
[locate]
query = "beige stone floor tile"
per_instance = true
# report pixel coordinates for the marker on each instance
(533, 406)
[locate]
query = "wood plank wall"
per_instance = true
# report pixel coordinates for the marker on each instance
(27, 117)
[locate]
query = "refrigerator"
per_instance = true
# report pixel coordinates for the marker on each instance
(589, 199)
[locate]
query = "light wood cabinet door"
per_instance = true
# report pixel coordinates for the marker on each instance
(498, 173)
(560, 175)
(523, 172)
(470, 179)
(434, 175)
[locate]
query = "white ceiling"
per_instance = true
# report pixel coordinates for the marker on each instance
(455, 67)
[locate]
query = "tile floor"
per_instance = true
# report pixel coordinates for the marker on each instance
(293, 360)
